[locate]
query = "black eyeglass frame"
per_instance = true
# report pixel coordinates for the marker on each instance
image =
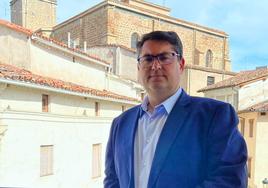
(158, 56)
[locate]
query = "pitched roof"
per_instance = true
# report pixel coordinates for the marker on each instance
(30, 33)
(9, 72)
(242, 78)
(260, 107)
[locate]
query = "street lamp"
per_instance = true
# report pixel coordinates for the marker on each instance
(265, 183)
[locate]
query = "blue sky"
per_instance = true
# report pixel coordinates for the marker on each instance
(245, 21)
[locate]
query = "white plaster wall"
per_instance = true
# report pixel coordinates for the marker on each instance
(225, 94)
(56, 64)
(14, 48)
(106, 53)
(261, 161)
(122, 87)
(72, 139)
(30, 100)
(192, 80)
(128, 65)
(21, 99)
(124, 61)
(253, 93)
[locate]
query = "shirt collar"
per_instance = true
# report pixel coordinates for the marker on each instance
(168, 103)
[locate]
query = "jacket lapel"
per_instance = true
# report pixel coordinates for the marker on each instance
(171, 129)
(130, 132)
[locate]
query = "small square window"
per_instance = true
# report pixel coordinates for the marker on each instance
(123, 108)
(97, 109)
(210, 80)
(44, 103)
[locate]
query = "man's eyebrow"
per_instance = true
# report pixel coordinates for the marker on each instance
(147, 54)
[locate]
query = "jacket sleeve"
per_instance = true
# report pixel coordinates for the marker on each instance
(226, 152)
(111, 179)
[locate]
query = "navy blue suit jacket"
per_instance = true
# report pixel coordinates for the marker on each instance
(199, 146)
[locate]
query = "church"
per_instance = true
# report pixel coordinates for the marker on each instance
(110, 30)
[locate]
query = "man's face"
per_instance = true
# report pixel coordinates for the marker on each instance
(158, 79)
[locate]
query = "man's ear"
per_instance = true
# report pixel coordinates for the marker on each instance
(182, 64)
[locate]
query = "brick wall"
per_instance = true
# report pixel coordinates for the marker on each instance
(112, 24)
(91, 27)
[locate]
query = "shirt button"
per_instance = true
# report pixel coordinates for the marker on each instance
(147, 141)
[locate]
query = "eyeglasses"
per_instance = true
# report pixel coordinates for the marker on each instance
(163, 58)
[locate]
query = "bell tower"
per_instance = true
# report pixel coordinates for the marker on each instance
(34, 14)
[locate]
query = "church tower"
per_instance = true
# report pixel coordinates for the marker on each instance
(34, 14)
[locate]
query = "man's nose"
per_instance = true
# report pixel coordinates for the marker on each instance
(156, 64)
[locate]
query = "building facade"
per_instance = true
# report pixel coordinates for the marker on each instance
(122, 23)
(56, 108)
(248, 94)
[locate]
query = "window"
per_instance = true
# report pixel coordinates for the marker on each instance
(209, 58)
(134, 40)
(251, 127)
(46, 160)
(97, 109)
(44, 103)
(242, 123)
(210, 80)
(123, 108)
(249, 166)
(96, 160)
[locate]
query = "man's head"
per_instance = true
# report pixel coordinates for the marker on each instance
(160, 63)
(168, 36)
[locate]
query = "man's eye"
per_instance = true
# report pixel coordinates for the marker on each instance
(163, 57)
(148, 59)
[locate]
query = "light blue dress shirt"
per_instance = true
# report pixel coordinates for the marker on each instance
(149, 129)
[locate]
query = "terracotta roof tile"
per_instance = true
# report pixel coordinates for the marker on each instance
(10, 72)
(243, 77)
(16, 27)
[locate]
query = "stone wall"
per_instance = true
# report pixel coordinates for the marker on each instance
(34, 14)
(113, 23)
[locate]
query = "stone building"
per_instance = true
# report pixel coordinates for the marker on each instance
(122, 23)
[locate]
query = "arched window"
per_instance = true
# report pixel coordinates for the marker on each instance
(209, 58)
(134, 40)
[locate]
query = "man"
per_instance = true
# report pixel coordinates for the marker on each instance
(172, 139)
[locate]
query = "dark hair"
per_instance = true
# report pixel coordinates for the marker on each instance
(169, 36)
